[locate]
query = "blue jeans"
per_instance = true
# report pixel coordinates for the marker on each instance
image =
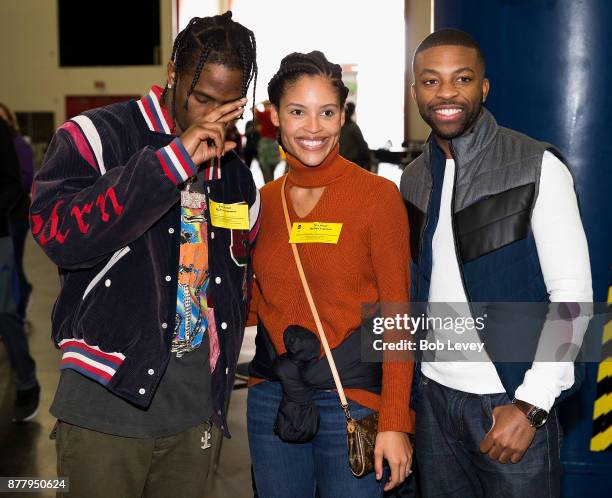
(289, 470)
(450, 425)
(19, 233)
(11, 324)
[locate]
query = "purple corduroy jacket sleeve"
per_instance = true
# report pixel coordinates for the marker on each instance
(83, 211)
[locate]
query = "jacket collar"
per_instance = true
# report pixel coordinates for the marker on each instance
(159, 121)
(468, 146)
(154, 113)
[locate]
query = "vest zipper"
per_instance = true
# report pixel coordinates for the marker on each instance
(452, 215)
(418, 289)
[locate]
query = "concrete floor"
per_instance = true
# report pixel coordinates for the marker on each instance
(27, 451)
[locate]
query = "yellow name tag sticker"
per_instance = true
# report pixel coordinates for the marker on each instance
(311, 233)
(234, 216)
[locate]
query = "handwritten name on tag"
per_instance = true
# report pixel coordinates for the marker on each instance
(317, 232)
(233, 216)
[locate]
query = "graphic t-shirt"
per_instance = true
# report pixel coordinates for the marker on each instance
(183, 398)
(192, 307)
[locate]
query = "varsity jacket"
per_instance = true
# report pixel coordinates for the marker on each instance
(106, 210)
(497, 175)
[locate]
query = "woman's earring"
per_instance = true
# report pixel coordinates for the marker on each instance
(169, 85)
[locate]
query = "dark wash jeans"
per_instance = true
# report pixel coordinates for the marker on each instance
(11, 324)
(450, 425)
(19, 233)
(290, 470)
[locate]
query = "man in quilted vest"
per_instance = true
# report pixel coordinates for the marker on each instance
(494, 218)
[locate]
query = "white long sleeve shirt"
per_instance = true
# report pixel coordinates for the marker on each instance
(564, 259)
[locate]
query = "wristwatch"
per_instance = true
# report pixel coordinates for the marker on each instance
(537, 416)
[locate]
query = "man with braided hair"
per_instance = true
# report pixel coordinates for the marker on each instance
(151, 216)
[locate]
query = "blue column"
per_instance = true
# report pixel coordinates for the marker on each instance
(550, 66)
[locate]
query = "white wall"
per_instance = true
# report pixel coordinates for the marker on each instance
(31, 77)
(369, 34)
(197, 8)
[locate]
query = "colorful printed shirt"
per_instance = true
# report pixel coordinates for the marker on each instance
(192, 310)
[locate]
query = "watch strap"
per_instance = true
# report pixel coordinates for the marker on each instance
(529, 410)
(526, 408)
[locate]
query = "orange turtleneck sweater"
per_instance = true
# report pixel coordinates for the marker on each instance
(369, 264)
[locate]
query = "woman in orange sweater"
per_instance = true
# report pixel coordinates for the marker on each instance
(367, 262)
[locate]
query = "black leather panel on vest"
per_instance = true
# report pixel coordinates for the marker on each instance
(416, 219)
(494, 222)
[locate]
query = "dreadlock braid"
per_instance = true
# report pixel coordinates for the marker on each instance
(297, 64)
(198, 71)
(243, 59)
(217, 39)
(175, 49)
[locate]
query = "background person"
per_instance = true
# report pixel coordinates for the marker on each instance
(352, 144)
(20, 225)
(250, 147)
(11, 323)
(268, 153)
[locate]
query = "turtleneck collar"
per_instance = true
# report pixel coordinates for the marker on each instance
(332, 168)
